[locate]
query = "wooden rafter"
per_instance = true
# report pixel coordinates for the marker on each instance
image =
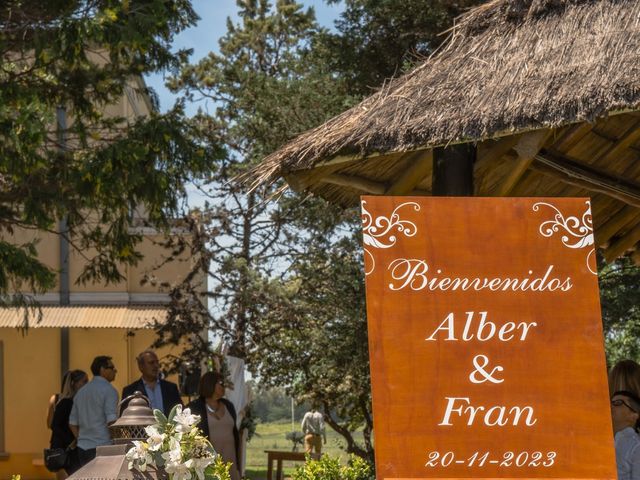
(614, 224)
(494, 150)
(302, 179)
(574, 173)
(354, 182)
(630, 137)
(573, 135)
(418, 165)
(623, 244)
(527, 148)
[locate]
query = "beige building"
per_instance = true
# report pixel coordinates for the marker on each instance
(79, 322)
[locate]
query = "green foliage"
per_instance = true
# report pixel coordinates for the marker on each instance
(249, 422)
(329, 468)
(273, 404)
(219, 470)
(65, 154)
(264, 91)
(288, 291)
(272, 436)
(620, 297)
(378, 39)
(312, 333)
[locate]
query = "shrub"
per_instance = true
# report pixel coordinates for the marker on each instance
(329, 468)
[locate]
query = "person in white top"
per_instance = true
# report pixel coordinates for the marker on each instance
(625, 408)
(313, 429)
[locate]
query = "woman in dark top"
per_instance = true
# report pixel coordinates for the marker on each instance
(61, 436)
(218, 420)
(54, 399)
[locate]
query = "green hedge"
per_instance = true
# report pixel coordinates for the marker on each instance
(329, 468)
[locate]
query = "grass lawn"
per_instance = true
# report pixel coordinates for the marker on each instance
(271, 436)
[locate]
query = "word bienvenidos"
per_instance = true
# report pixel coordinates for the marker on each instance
(412, 273)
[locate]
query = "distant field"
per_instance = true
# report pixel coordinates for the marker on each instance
(271, 436)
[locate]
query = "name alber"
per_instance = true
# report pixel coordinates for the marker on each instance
(482, 330)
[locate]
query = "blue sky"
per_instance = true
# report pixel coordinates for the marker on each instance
(204, 37)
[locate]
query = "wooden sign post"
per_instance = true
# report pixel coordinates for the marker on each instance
(485, 339)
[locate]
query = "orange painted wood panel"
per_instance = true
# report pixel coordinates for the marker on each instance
(485, 338)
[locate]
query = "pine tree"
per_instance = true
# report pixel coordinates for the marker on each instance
(71, 60)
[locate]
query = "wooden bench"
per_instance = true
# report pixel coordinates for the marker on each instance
(280, 456)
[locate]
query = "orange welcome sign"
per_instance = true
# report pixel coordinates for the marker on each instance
(485, 338)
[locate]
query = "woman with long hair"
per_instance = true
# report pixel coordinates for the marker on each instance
(54, 399)
(218, 420)
(61, 435)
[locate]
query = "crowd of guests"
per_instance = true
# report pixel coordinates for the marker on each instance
(80, 415)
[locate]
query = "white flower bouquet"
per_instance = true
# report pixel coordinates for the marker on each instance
(176, 445)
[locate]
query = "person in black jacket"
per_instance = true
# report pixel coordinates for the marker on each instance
(218, 420)
(162, 394)
(61, 435)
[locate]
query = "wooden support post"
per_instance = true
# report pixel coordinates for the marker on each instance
(453, 170)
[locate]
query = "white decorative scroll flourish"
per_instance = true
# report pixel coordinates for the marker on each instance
(576, 232)
(380, 232)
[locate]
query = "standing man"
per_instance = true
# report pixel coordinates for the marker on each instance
(313, 428)
(162, 394)
(95, 407)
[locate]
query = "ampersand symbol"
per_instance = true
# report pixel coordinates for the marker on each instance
(480, 368)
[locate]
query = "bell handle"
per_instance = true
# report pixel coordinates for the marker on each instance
(135, 394)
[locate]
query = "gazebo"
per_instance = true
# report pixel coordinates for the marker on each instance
(526, 98)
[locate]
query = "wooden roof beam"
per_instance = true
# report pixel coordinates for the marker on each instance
(623, 244)
(630, 137)
(301, 180)
(617, 222)
(419, 165)
(357, 183)
(527, 148)
(574, 173)
(572, 136)
(494, 150)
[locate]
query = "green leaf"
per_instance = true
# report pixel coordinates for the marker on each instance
(160, 418)
(172, 413)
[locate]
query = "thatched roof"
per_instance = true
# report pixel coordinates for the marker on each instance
(509, 66)
(548, 91)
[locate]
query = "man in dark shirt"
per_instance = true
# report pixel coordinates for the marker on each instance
(163, 395)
